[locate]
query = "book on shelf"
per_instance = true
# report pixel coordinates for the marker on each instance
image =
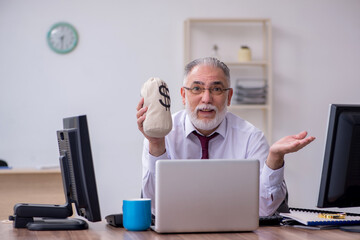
(312, 217)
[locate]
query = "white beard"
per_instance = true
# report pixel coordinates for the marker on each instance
(206, 125)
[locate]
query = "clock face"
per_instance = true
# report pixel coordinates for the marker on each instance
(62, 38)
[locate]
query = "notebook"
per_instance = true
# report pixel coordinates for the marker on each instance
(311, 217)
(206, 195)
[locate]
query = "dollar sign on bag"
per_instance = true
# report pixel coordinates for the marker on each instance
(164, 91)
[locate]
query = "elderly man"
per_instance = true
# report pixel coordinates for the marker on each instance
(206, 93)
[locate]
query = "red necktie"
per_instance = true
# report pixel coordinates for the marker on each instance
(205, 144)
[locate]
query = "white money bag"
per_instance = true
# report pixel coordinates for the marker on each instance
(158, 121)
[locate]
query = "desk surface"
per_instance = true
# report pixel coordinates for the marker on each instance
(103, 231)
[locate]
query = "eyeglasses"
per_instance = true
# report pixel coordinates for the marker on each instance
(213, 90)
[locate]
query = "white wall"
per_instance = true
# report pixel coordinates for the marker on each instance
(316, 56)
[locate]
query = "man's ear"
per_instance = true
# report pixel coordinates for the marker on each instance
(230, 94)
(182, 92)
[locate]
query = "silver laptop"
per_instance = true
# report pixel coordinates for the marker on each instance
(206, 195)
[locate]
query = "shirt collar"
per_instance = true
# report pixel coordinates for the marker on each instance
(189, 127)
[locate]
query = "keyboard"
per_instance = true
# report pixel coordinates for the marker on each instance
(270, 220)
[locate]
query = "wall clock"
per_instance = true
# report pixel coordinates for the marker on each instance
(62, 37)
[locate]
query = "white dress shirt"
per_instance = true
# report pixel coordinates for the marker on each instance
(237, 139)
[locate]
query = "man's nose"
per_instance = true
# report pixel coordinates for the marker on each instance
(206, 96)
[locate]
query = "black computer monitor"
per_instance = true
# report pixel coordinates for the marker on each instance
(79, 183)
(340, 180)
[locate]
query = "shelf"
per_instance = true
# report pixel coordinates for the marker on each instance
(200, 36)
(248, 106)
(228, 20)
(252, 63)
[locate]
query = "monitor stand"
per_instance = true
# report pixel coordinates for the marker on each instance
(46, 224)
(46, 217)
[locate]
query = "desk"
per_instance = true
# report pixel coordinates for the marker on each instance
(102, 231)
(29, 186)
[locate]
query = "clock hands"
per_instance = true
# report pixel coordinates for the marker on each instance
(62, 41)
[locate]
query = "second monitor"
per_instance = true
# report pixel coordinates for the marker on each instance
(79, 183)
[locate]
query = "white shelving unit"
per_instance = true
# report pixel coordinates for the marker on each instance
(200, 36)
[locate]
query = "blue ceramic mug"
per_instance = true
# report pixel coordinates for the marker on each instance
(137, 214)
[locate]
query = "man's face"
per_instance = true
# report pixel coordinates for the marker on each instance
(206, 107)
